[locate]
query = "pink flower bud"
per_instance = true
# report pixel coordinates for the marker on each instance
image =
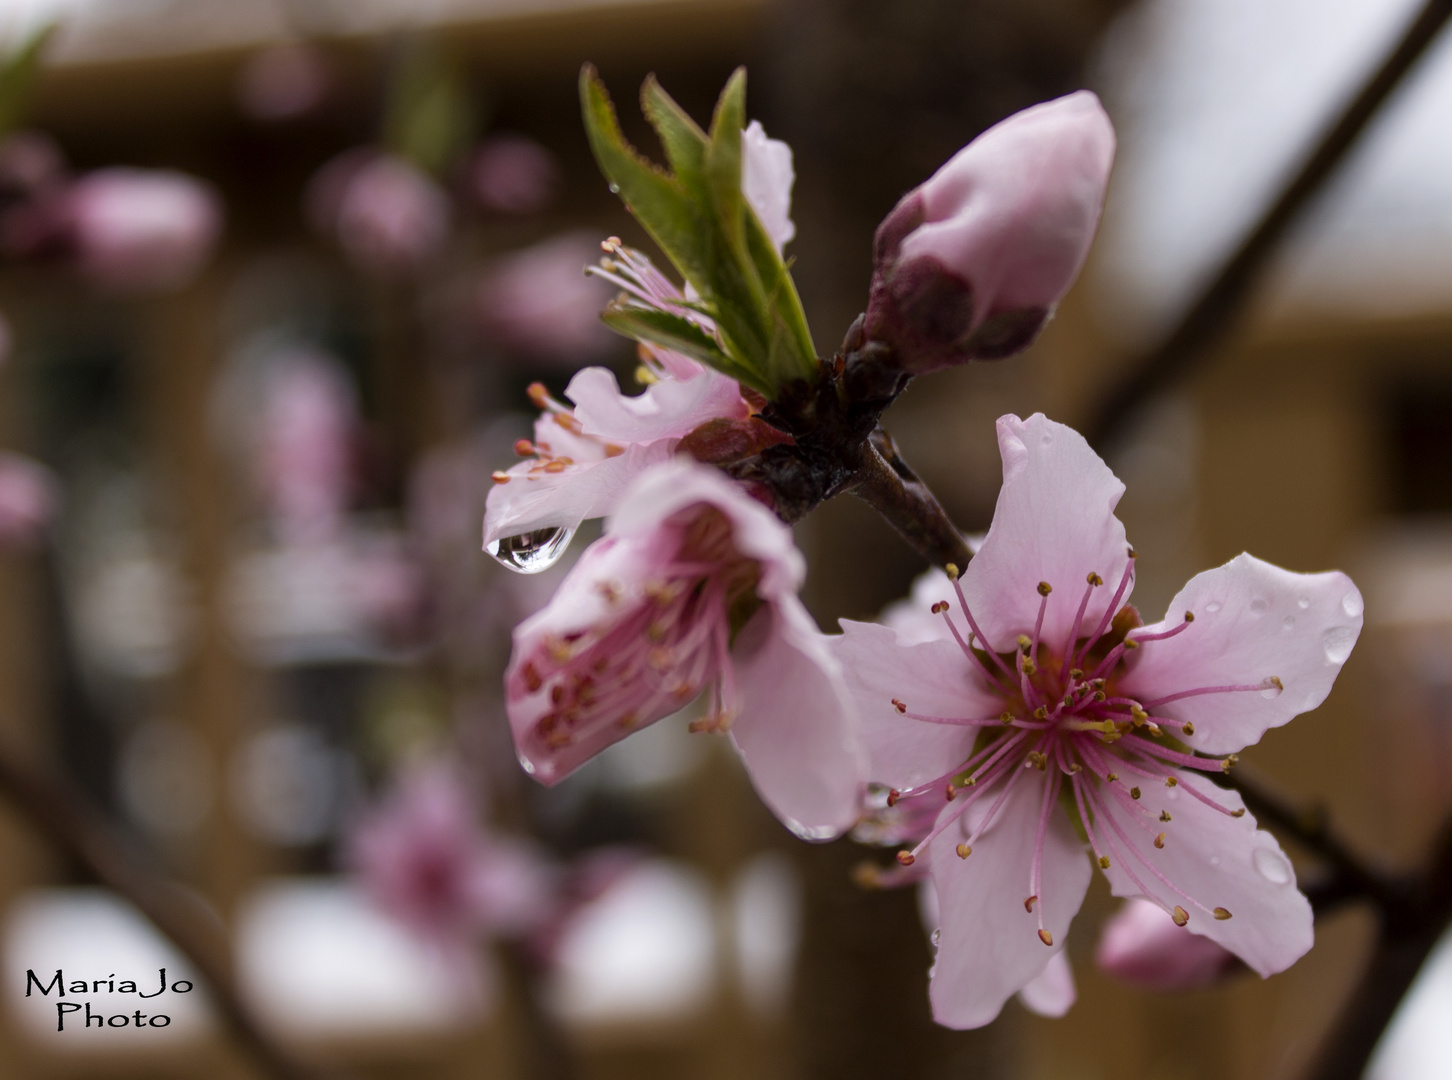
(971, 263)
(1142, 946)
(141, 229)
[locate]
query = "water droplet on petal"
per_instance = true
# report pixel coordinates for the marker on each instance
(1352, 604)
(1338, 642)
(1304, 602)
(1213, 606)
(937, 937)
(1272, 865)
(1288, 623)
(1214, 860)
(1047, 439)
(1257, 606)
(531, 552)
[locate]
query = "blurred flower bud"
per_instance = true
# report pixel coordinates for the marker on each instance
(28, 498)
(142, 229)
(388, 215)
(970, 264)
(540, 303)
(282, 82)
(29, 160)
(513, 174)
(1142, 946)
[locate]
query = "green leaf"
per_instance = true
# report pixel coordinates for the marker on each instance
(723, 159)
(17, 76)
(683, 140)
(658, 201)
(678, 334)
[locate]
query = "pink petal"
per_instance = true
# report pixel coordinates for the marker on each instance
(933, 679)
(913, 618)
(1052, 993)
(668, 409)
(757, 532)
(988, 948)
(1142, 946)
(1220, 861)
(534, 499)
(1253, 621)
(1054, 522)
(794, 730)
(766, 181)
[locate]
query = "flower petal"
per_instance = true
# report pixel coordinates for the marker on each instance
(1220, 861)
(757, 532)
(1052, 993)
(932, 678)
(794, 730)
(1054, 522)
(1253, 621)
(534, 499)
(667, 409)
(988, 947)
(766, 181)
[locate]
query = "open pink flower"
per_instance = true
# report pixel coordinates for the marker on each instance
(426, 860)
(1043, 684)
(971, 263)
(1142, 946)
(582, 459)
(651, 616)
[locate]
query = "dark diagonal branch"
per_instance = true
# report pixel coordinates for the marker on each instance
(885, 483)
(64, 815)
(1212, 316)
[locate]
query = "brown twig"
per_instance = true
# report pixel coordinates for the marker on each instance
(1212, 316)
(886, 483)
(63, 814)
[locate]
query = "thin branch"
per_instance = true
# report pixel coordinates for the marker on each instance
(1212, 316)
(884, 482)
(59, 811)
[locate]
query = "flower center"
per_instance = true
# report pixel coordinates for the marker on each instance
(1063, 716)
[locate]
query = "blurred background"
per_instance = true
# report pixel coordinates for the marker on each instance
(275, 276)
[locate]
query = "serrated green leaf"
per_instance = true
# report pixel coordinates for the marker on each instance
(673, 332)
(723, 160)
(683, 140)
(658, 201)
(17, 76)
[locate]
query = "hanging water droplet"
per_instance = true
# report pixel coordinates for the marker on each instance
(1272, 865)
(937, 937)
(531, 552)
(615, 189)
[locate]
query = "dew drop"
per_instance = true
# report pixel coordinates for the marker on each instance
(1338, 642)
(1257, 606)
(1352, 604)
(531, 552)
(937, 937)
(1303, 603)
(1047, 439)
(1288, 623)
(615, 189)
(1213, 606)
(1214, 860)
(1272, 866)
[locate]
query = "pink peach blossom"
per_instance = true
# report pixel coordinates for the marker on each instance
(29, 496)
(426, 860)
(1043, 683)
(1142, 946)
(971, 264)
(387, 214)
(513, 174)
(650, 616)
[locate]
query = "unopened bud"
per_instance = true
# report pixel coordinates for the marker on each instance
(971, 263)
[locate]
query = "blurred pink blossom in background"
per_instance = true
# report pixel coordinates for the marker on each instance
(1142, 946)
(388, 215)
(539, 301)
(513, 174)
(29, 497)
(282, 82)
(142, 229)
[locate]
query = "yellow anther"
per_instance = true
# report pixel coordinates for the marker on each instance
(1045, 588)
(1160, 840)
(1029, 667)
(1076, 673)
(1165, 816)
(951, 569)
(1187, 728)
(1189, 616)
(1028, 905)
(907, 858)
(1099, 695)
(1041, 713)
(1154, 729)
(1104, 862)
(1275, 680)
(1132, 553)
(1170, 781)
(1006, 718)
(964, 851)
(1221, 914)
(899, 706)
(1094, 579)
(1025, 642)
(1130, 644)
(1134, 793)
(1047, 938)
(1226, 763)
(1238, 813)
(1111, 777)
(1180, 915)
(940, 607)
(1075, 767)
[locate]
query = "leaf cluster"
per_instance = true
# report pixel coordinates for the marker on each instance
(697, 213)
